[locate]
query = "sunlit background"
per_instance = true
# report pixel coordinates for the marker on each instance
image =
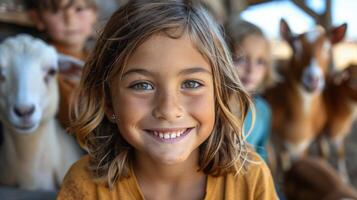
(267, 16)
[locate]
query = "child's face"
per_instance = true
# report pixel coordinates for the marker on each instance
(69, 26)
(252, 68)
(164, 102)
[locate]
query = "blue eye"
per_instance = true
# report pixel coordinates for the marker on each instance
(191, 85)
(240, 60)
(261, 62)
(80, 8)
(142, 86)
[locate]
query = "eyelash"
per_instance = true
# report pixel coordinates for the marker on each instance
(189, 84)
(141, 86)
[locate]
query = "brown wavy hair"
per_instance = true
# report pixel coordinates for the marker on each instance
(110, 155)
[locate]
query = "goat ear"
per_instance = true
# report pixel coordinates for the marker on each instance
(285, 31)
(70, 67)
(338, 33)
(340, 77)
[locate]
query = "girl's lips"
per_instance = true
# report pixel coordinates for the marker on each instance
(169, 135)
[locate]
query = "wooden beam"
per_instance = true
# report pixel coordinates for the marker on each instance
(327, 15)
(308, 10)
(255, 2)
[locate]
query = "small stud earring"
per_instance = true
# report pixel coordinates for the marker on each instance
(113, 116)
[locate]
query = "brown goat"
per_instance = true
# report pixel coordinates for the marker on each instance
(297, 101)
(340, 97)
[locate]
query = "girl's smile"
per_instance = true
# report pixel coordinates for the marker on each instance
(169, 135)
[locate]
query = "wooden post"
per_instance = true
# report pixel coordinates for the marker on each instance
(323, 19)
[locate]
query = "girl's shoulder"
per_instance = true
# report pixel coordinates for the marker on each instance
(262, 105)
(78, 182)
(80, 169)
(259, 100)
(254, 181)
(255, 169)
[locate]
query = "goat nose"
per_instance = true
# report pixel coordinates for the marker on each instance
(314, 79)
(24, 111)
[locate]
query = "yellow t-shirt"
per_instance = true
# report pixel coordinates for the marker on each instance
(254, 183)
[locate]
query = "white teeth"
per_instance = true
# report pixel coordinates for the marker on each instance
(166, 135)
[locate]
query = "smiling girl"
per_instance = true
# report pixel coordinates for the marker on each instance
(155, 112)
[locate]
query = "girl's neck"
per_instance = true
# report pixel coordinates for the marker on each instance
(175, 181)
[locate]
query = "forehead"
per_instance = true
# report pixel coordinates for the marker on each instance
(253, 44)
(23, 51)
(313, 35)
(254, 39)
(166, 54)
(55, 5)
(68, 3)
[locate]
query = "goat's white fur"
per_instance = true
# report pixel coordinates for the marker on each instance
(36, 151)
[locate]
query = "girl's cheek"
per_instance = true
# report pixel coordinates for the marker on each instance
(201, 104)
(133, 103)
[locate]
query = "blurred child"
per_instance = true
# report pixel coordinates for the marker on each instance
(67, 24)
(251, 57)
(155, 112)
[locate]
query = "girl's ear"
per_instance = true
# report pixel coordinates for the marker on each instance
(109, 111)
(36, 19)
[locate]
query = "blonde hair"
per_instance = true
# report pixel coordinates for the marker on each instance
(237, 30)
(129, 27)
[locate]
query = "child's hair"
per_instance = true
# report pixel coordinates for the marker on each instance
(128, 28)
(236, 31)
(53, 5)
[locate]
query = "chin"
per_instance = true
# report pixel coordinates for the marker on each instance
(173, 159)
(26, 130)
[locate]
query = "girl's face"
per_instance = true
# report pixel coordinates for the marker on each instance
(252, 68)
(69, 26)
(164, 103)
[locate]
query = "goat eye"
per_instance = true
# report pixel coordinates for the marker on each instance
(51, 72)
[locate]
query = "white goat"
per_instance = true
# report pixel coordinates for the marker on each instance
(36, 151)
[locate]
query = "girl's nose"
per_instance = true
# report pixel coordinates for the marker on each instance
(168, 107)
(68, 16)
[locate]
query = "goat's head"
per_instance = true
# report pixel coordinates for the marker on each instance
(311, 54)
(346, 80)
(28, 85)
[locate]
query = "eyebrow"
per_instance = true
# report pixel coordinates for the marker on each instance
(183, 72)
